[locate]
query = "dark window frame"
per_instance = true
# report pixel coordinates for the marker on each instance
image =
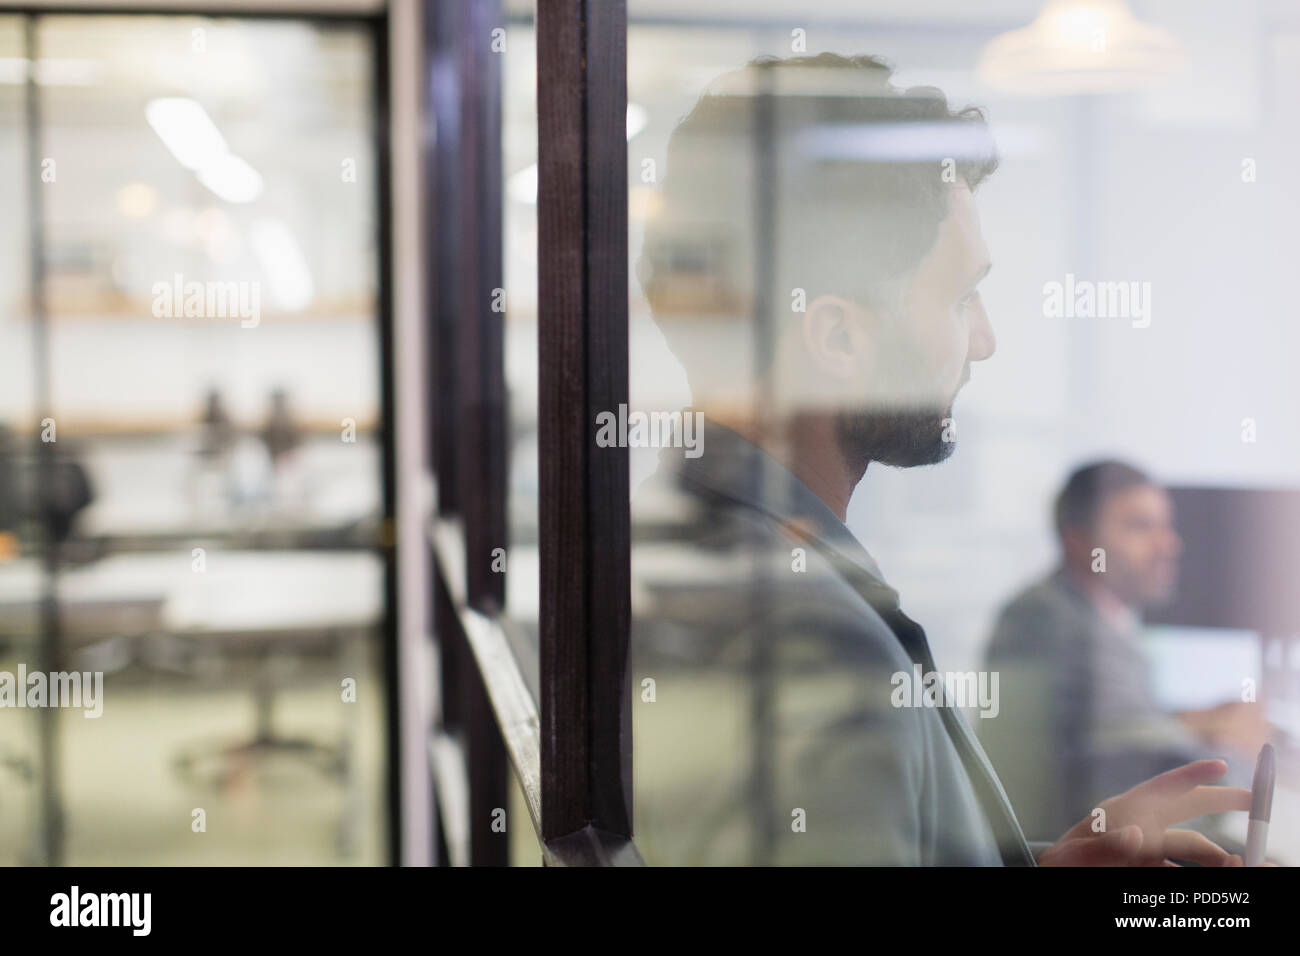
(571, 751)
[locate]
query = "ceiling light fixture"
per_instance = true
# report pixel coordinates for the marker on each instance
(1077, 47)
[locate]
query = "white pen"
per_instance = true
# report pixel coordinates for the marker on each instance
(1261, 806)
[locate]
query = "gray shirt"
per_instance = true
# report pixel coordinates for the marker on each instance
(1078, 720)
(771, 733)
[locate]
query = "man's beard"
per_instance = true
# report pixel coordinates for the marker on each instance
(904, 438)
(903, 427)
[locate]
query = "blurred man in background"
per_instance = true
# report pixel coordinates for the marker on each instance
(1079, 718)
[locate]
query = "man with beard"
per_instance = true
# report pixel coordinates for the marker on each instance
(1080, 717)
(814, 264)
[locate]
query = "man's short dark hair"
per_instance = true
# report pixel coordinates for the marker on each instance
(842, 173)
(1089, 487)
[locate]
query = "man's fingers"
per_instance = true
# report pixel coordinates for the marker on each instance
(1114, 848)
(1204, 800)
(1182, 794)
(1193, 847)
(1186, 777)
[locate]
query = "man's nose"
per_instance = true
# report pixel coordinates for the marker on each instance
(982, 341)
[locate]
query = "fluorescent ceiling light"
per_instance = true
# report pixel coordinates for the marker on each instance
(895, 142)
(283, 264)
(1079, 46)
(188, 132)
(186, 129)
(231, 178)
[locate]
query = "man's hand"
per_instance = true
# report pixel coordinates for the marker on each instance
(1138, 823)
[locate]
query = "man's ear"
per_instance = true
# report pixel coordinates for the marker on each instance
(837, 336)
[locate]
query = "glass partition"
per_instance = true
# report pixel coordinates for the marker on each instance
(816, 196)
(211, 426)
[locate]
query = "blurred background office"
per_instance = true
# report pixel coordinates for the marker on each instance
(214, 545)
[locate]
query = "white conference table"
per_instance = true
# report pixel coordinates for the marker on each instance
(237, 592)
(270, 597)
